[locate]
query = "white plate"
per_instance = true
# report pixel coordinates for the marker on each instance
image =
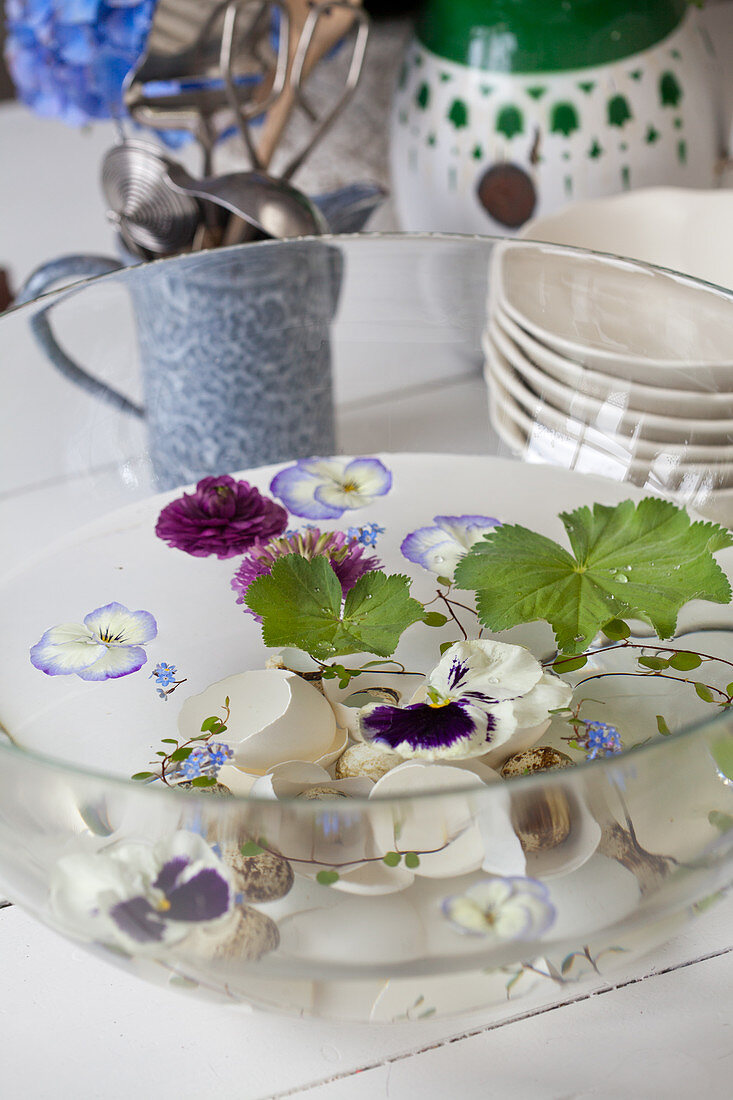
(619, 316)
(606, 418)
(115, 725)
(656, 399)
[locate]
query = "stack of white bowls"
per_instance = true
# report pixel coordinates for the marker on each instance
(598, 364)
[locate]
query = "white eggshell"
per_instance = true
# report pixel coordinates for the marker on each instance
(275, 716)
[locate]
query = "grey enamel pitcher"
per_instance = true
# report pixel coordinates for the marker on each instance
(235, 356)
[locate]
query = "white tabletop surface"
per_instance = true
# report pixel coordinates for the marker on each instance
(73, 1026)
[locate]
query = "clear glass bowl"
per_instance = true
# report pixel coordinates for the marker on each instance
(448, 893)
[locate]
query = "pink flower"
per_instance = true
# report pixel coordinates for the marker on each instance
(223, 517)
(345, 554)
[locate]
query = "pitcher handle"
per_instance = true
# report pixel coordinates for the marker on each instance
(70, 269)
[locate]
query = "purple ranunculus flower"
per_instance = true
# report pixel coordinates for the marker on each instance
(345, 554)
(222, 517)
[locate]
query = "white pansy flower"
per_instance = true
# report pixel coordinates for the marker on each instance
(480, 699)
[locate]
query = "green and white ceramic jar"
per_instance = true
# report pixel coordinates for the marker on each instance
(508, 109)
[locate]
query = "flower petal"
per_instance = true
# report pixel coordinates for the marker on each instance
(359, 483)
(138, 919)
(497, 670)
(114, 623)
(205, 896)
(549, 694)
(66, 649)
(115, 661)
(371, 475)
(296, 486)
(466, 530)
(439, 548)
(433, 549)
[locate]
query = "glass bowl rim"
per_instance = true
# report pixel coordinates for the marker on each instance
(602, 767)
(137, 270)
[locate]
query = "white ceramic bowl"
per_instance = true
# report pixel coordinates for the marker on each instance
(614, 413)
(616, 316)
(573, 421)
(563, 440)
(674, 227)
(644, 398)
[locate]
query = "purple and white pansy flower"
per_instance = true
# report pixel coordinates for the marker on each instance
(479, 696)
(142, 898)
(109, 643)
(325, 488)
(439, 548)
(512, 908)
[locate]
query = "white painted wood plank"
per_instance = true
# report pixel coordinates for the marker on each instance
(670, 1036)
(107, 1034)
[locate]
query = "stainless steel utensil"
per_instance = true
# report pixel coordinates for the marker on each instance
(153, 201)
(315, 29)
(205, 58)
(272, 206)
(152, 219)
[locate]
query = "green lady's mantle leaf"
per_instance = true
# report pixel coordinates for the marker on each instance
(299, 603)
(641, 561)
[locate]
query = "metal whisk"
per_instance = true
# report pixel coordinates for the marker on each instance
(150, 216)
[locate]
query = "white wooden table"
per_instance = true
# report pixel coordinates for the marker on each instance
(73, 1026)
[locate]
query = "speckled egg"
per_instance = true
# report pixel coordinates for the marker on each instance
(266, 876)
(248, 936)
(367, 760)
(542, 820)
(317, 794)
(539, 758)
(214, 788)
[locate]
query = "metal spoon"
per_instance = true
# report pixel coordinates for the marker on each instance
(272, 206)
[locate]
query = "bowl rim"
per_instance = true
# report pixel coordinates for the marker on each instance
(391, 236)
(529, 345)
(602, 767)
(639, 447)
